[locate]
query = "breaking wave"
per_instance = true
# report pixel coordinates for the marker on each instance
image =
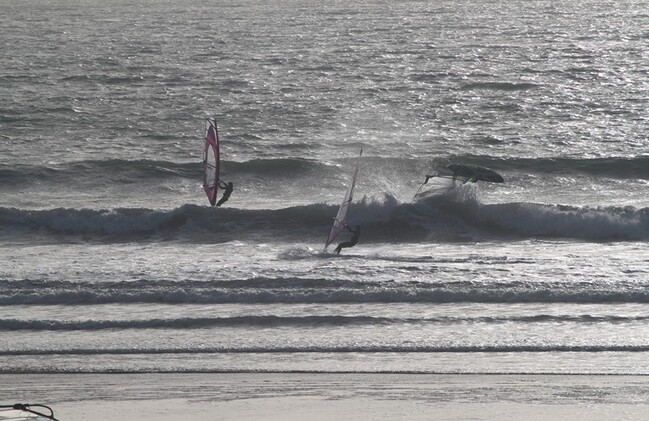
(310, 291)
(296, 321)
(332, 349)
(384, 220)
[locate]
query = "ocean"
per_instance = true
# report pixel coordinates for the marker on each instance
(112, 260)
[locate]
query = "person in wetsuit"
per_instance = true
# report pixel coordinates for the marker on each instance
(352, 242)
(226, 194)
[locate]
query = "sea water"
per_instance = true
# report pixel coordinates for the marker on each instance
(111, 259)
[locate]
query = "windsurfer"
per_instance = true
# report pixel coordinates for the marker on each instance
(352, 242)
(227, 192)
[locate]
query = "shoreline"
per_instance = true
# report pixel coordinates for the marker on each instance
(314, 396)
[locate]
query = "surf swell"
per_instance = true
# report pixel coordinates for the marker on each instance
(145, 171)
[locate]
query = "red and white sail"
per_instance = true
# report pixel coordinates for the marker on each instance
(211, 161)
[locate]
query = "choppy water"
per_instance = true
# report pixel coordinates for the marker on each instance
(111, 260)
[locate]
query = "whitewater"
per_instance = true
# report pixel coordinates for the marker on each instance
(112, 261)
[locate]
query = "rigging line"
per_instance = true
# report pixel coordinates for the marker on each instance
(26, 407)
